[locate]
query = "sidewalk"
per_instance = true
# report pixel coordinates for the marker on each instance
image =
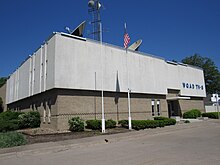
(59, 146)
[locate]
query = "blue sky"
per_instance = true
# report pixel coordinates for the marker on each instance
(172, 29)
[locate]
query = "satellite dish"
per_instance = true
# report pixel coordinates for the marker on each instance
(135, 46)
(77, 31)
(91, 3)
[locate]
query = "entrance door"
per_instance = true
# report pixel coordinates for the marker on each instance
(170, 108)
(173, 108)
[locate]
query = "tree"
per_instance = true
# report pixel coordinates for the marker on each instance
(211, 73)
(2, 81)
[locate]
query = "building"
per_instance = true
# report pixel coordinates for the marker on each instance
(63, 79)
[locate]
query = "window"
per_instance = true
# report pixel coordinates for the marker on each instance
(158, 107)
(152, 107)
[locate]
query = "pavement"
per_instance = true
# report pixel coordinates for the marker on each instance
(162, 145)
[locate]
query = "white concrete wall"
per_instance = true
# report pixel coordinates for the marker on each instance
(65, 62)
(80, 60)
(34, 76)
(210, 108)
(176, 75)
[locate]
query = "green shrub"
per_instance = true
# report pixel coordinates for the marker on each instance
(29, 120)
(110, 123)
(9, 115)
(94, 124)
(212, 115)
(167, 121)
(123, 123)
(76, 124)
(143, 124)
(192, 114)
(11, 139)
(8, 125)
(9, 121)
(97, 124)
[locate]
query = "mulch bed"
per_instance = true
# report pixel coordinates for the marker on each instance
(39, 136)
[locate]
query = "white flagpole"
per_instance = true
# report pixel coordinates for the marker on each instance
(129, 103)
(103, 115)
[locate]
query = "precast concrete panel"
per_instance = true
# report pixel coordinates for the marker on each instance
(77, 64)
(10, 89)
(49, 76)
(37, 70)
(145, 74)
(42, 74)
(172, 76)
(23, 89)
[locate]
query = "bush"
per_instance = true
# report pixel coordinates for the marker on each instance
(76, 124)
(11, 139)
(192, 114)
(97, 124)
(167, 121)
(212, 115)
(143, 124)
(110, 123)
(8, 125)
(29, 120)
(9, 115)
(9, 121)
(94, 124)
(123, 123)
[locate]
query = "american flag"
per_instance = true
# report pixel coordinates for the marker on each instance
(126, 40)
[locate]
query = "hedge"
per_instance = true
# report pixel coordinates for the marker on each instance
(9, 115)
(143, 124)
(9, 125)
(192, 114)
(97, 124)
(167, 121)
(10, 121)
(212, 115)
(11, 139)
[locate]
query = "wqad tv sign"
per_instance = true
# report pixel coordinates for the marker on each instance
(192, 86)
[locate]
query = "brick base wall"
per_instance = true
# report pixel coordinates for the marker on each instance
(65, 104)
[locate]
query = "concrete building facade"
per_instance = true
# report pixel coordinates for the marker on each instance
(63, 79)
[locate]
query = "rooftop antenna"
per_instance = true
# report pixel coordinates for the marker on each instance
(94, 9)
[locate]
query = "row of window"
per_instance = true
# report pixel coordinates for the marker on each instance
(155, 109)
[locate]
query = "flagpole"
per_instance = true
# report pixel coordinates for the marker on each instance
(129, 103)
(103, 115)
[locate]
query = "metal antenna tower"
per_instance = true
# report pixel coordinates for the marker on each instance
(94, 9)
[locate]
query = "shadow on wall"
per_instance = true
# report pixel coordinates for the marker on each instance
(117, 89)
